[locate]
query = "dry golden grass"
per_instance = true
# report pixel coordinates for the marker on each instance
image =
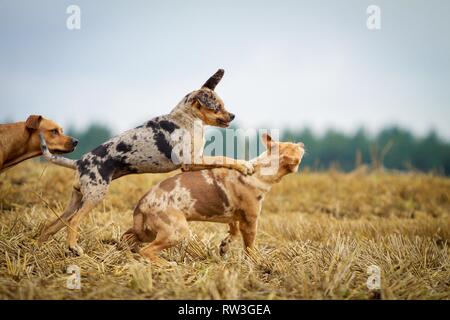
(317, 235)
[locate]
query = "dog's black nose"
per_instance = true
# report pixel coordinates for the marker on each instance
(231, 116)
(74, 142)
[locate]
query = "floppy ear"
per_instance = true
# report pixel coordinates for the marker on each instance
(33, 122)
(212, 82)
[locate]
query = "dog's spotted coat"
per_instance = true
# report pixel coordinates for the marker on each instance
(147, 148)
(215, 195)
(154, 147)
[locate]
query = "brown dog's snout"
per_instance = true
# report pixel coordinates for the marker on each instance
(231, 115)
(74, 142)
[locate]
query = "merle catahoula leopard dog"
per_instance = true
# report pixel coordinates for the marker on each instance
(161, 216)
(154, 147)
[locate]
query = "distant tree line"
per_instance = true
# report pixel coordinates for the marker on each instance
(392, 148)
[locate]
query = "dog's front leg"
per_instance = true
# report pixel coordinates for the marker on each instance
(192, 158)
(207, 162)
(248, 230)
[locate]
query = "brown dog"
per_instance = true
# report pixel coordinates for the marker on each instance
(216, 195)
(20, 141)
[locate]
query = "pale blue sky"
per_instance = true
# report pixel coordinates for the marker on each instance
(287, 63)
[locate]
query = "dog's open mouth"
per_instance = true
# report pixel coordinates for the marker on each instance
(222, 123)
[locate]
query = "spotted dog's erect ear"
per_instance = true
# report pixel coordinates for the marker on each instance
(212, 82)
(33, 122)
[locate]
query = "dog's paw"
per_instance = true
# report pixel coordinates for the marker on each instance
(76, 250)
(162, 263)
(223, 249)
(246, 167)
(224, 246)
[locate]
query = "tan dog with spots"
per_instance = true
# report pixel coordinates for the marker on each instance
(217, 195)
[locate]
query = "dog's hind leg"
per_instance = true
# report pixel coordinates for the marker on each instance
(129, 240)
(92, 195)
(170, 228)
(63, 220)
(233, 234)
(137, 234)
(72, 230)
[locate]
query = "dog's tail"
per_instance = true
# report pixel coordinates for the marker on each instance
(59, 160)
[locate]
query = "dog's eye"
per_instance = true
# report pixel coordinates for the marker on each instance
(54, 131)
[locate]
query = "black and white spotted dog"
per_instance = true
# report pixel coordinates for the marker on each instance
(154, 147)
